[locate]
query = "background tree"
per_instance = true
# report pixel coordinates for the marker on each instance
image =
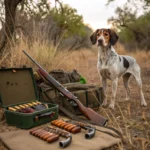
(67, 21)
(37, 20)
(146, 3)
(9, 24)
(130, 25)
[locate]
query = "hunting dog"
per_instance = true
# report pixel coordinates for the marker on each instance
(112, 66)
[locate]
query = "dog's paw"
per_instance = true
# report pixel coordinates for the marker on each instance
(112, 105)
(143, 104)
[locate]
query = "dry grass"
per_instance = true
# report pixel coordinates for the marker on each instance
(84, 61)
(141, 56)
(40, 51)
(48, 56)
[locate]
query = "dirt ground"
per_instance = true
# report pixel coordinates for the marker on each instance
(128, 116)
(132, 119)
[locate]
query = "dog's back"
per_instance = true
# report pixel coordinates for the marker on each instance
(127, 60)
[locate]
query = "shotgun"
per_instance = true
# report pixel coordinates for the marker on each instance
(90, 114)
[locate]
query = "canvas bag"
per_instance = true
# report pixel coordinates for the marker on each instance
(89, 95)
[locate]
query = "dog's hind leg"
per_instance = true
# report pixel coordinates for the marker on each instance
(137, 75)
(126, 79)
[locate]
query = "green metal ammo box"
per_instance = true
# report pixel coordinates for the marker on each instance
(17, 86)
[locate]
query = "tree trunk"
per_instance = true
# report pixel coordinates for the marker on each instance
(74, 44)
(9, 27)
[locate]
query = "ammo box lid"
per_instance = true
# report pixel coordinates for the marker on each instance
(17, 85)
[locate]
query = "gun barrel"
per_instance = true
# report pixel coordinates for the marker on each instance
(32, 59)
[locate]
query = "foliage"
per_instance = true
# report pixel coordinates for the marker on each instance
(134, 29)
(124, 17)
(126, 35)
(53, 23)
(38, 18)
(68, 19)
(146, 3)
(38, 8)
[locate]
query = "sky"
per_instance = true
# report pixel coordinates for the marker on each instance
(95, 12)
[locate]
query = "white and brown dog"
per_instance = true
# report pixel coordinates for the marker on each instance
(112, 66)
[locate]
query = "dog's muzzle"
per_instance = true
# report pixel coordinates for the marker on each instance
(100, 42)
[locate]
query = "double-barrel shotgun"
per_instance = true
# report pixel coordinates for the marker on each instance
(90, 114)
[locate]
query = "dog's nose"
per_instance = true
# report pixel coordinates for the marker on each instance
(100, 41)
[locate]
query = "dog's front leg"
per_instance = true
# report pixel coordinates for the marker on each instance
(104, 84)
(114, 90)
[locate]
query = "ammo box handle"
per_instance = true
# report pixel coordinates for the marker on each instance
(45, 115)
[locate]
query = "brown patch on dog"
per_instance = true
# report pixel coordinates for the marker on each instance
(105, 73)
(109, 36)
(105, 33)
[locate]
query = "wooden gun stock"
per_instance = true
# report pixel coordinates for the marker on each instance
(87, 112)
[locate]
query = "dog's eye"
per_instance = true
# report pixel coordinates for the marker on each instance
(98, 34)
(106, 34)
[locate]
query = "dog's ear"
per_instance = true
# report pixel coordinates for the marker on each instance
(113, 37)
(93, 37)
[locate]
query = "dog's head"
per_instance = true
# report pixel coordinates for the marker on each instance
(104, 37)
